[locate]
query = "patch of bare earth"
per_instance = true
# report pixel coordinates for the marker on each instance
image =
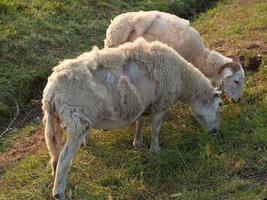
(23, 147)
(250, 63)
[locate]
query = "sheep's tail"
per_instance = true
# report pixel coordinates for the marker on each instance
(53, 136)
(49, 131)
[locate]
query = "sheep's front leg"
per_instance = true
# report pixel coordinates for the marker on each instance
(221, 85)
(156, 123)
(86, 140)
(71, 147)
(138, 139)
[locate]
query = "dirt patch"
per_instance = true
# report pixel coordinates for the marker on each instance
(29, 113)
(250, 53)
(23, 147)
(253, 173)
(251, 63)
(249, 58)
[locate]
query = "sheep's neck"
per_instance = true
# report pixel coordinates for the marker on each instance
(192, 85)
(209, 62)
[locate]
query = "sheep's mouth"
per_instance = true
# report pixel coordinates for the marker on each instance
(236, 100)
(213, 131)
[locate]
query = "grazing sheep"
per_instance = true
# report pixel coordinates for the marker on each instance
(114, 87)
(177, 33)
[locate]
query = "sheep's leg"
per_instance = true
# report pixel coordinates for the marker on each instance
(53, 138)
(86, 140)
(221, 86)
(71, 147)
(138, 139)
(156, 123)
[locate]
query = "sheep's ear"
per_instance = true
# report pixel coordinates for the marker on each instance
(235, 59)
(227, 72)
(95, 48)
(218, 89)
(232, 65)
(217, 93)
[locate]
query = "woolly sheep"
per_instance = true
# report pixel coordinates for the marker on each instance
(114, 87)
(177, 33)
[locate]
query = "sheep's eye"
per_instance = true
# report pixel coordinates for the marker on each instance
(236, 81)
(220, 104)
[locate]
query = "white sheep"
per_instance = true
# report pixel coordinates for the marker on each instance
(114, 87)
(177, 33)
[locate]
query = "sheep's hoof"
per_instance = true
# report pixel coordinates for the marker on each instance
(86, 141)
(139, 145)
(154, 149)
(59, 197)
(84, 144)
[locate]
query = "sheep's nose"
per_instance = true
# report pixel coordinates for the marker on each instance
(213, 131)
(236, 100)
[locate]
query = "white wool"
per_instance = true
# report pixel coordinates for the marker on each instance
(112, 88)
(178, 34)
(73, 86)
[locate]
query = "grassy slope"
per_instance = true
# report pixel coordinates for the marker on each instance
(192, 165)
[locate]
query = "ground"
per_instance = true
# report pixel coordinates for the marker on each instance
(192, 164)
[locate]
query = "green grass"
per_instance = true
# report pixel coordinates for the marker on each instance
(237, 28)
(192, 164)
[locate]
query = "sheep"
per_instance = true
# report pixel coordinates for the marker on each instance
(114, 87)
(177, 33)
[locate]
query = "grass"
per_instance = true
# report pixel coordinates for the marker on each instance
(243, 27)
(192, 164)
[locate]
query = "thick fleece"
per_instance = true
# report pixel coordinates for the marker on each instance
(178, 34)
(111, 88)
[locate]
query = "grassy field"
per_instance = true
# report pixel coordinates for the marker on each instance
(192, 165)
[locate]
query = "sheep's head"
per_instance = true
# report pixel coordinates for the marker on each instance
(206, 109)
(232, 80)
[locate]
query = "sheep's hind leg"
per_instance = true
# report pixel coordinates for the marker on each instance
(156, 123)
(58, 143)
(71, 147)
(138, 139)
